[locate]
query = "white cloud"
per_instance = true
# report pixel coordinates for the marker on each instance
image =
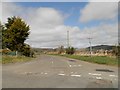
(48, 29)
(103, 0)
(0, 11)
(59, 0)
(99, 11)
(45, 17)
(44, 1)
(10, 9)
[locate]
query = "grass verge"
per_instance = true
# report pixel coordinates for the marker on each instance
(94, 59)
(13, 59)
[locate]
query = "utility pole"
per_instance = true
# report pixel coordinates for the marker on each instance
(90, 46)
(68, 39)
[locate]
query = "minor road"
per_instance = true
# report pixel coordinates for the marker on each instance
(58, 72)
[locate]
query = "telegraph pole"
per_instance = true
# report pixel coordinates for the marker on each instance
(90, 46)
(68, 44)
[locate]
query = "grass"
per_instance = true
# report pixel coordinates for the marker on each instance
(95, 59)
(13, 59)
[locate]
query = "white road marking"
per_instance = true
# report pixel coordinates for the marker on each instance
(113, 76)
(61, 74)
(74, 65)
(98, 77)
(95, 74)
(45, 73)
(76, 75)
(79, 65)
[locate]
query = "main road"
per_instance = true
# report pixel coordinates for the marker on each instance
(48, 71)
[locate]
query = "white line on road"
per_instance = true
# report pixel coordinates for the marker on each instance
(45, 73)
(113, 76)
(94, 74)
(76, 75)
(98, 77)
(74, 65)
(79, 65)
(61, 74)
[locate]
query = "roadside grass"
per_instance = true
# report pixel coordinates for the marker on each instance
(94, 59)
(13, 59)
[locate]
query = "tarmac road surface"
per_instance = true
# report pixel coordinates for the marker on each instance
(48, 71)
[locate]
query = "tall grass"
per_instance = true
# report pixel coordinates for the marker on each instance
(95, 59)
(14, 59)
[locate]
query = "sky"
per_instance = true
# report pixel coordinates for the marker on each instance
(50, 21)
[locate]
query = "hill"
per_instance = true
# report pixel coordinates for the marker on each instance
(104, 47)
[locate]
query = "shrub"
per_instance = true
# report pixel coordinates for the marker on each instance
(70, 50)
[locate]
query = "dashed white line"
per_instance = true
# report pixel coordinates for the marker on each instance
(61, 74)
(45, 73)
(74, 65)
(79, 65)
(98, 77)
(94, 74)
(76, 75)
(113, 76)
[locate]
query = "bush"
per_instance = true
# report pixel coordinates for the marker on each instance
(26, 51)
(70, 50)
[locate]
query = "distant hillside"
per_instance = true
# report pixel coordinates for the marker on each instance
(104, 47)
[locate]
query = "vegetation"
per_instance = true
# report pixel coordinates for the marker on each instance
(94, 59)
(61, 49)
(14, 34)
(13, 59)
(70, 50)
(1, 28)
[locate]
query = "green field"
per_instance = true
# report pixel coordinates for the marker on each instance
(13, 59)
(95, 59)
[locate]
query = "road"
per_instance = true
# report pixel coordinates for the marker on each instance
(58, 72)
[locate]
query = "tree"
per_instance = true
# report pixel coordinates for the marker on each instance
(15, 33)
(1, 29)
(61, 49)
(26, 50)
(70, 50)
(115, 50)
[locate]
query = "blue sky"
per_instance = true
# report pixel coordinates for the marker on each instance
(72, 9)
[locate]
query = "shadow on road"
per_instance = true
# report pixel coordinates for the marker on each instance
(104, 70)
